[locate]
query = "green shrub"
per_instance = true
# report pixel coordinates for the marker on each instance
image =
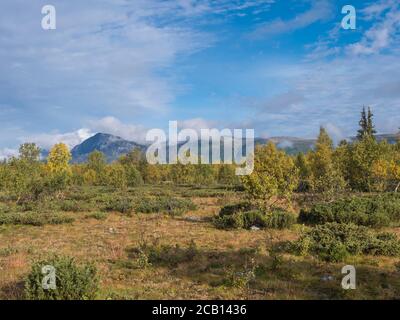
(235, 208)
(168, 205)
(234, 221)
(205, 193)
(241, 279)
(373, 211)
(254, 218)
(73, 282)
(133, 176)
(334, 242)
(4, 208)
(81, 193)
(167, 255)
(73, 206)
(277, 219)
(34, 218)
(97, 215)
(123, 205)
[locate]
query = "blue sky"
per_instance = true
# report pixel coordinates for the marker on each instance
(282, 67)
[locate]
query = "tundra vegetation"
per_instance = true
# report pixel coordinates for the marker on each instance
(130, 230)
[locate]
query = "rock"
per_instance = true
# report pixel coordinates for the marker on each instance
(194, 219)
(254, 228)
(327, 278)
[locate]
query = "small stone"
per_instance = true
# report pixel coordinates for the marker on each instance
(254, 228)
(193, 219)
(327, 278)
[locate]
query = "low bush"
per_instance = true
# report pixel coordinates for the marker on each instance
(122, 205)
(73, 206)
(73, 282)
(373, 211)
(280, 219)
(277, 219)
(97, 216)
(234, 208)
(240, 279)
(81, 193)
(168, 205)
(168, 255)
(334, 242)
(205, 193)
(233, 221)
(4, 208)
(34, 218)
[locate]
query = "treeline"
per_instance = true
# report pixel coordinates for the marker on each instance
(27, 178)
(364, 165)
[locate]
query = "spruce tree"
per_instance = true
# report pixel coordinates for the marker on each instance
(362, 132)
(370, 126)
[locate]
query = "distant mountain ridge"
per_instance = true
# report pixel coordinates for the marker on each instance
(114, 147)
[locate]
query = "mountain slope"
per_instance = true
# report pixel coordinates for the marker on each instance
(112, 146)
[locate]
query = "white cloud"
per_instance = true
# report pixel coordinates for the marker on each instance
(47, 140)
(375, 10)
(102, 55)
(335, 132)
(383, 33)
(7, 153)
(114, 126)
(319, 11)
(196, 124)
(332, 92)
(110, 125)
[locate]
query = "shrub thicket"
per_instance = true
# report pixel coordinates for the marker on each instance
(374, 211)
(123, 205)
(245, 216)
(34, 218)
(97, 215)
(334, 242)
(73, 282)
(170, 255)
(73, 206)
(168, 205)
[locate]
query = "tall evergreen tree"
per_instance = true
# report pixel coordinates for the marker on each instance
(367, 128)
(363, 125)
(370, 126)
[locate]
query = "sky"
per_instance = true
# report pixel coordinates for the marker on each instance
(281, 67)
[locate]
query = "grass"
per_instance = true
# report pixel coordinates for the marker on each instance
(158, 256)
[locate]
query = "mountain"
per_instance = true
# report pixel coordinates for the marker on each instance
(112, 146)
(290, 145)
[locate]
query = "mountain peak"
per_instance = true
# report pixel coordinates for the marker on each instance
(112, 146)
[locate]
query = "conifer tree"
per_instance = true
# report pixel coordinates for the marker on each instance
(367, 128)
(370, 126)
(363, 125)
